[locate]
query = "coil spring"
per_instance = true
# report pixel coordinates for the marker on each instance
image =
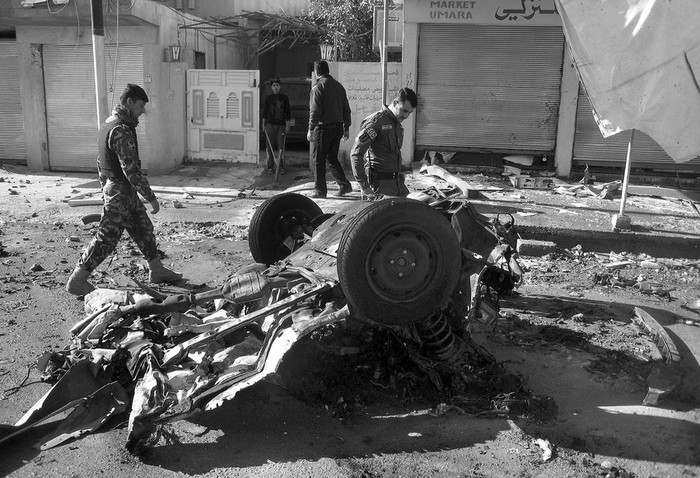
(440, 339)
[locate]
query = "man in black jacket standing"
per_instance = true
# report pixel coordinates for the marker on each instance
(329, 121)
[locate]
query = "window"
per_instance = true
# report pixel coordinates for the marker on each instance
(232, 106)
(212, 105)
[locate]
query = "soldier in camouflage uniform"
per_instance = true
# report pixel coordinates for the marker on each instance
(381, 137)
(119, 169)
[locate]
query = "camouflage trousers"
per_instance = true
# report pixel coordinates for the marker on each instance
(122, 210)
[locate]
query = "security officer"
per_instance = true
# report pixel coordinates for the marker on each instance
(119, 170)
(381, 136)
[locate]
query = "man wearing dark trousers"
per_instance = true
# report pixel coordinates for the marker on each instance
(276, 118)
(329, 121)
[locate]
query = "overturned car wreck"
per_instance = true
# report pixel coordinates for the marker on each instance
(428, 264)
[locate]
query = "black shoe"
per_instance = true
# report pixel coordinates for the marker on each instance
(318, 195)
(344, 190)
(270, 171)
(283, 171)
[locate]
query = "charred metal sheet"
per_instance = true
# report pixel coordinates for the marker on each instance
(80, 381)
(663, 379)
(468, 190)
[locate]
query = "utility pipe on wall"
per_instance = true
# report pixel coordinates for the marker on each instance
(384, 50)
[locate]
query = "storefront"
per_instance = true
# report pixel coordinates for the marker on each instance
(488, 77)
(590, 148)
(495, 76)
(71, 107)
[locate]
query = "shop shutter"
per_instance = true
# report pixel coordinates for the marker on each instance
(488, 88)
(71, 106)
(12, 138)
(591, 148)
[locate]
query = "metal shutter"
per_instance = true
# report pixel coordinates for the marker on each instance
(12, 139)
(488, 88)
(591, 148)
(71, 107)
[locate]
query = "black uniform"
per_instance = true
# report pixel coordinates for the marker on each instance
(381, 137)
(329, 118)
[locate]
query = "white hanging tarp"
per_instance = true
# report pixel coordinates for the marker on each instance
(639, 61)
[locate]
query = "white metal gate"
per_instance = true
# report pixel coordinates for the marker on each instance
(71, 107)
(223, 112)
(488, 87)
(12, 138)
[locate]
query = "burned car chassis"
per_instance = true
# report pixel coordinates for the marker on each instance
(429, 264)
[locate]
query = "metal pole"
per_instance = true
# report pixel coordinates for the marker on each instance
(626, 180)
(98, 54)
(384, 50)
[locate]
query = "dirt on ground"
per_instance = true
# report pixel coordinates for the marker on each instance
(345, 402)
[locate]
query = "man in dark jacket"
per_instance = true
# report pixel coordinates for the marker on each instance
(276, 117)
(329, 121)
(119, 170)
(381, 137)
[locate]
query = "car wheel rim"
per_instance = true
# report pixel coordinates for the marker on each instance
(401, 263)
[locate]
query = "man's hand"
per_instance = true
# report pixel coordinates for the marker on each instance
(346, 134)
(155, 205)
(368, 194)
(308, 136)
(286, 128)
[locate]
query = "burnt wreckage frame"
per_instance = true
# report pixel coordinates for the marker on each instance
(429, 263)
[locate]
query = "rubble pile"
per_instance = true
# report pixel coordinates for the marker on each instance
(162, 359)
(649, 275)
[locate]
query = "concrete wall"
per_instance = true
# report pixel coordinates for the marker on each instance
(409, 76)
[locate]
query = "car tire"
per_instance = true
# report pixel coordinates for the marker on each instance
(274, 225)
(398, 262)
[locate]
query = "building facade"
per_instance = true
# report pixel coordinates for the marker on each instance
(47, 87)
(495, 76)
(492, 76)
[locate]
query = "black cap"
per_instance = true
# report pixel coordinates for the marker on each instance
(135, 92)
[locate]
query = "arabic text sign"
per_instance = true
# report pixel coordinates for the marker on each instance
(483, 12)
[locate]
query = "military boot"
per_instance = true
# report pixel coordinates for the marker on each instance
(160, 274)
(78, 282)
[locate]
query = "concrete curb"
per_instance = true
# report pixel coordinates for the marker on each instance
(655, 245)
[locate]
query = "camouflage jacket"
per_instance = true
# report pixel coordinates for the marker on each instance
(118, 158)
